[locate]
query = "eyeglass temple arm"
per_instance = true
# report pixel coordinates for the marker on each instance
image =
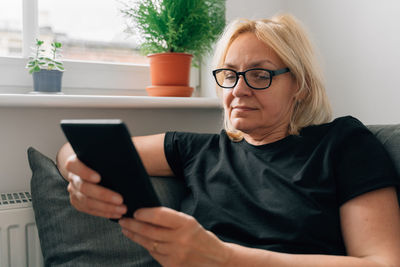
(277, 72)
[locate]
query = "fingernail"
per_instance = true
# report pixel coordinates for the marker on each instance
(121, 209)
(95, 177)
(116, 199)
(136, 214)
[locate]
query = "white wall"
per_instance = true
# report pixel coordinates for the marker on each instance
(359, 41)
(252, 9)
(359, 44)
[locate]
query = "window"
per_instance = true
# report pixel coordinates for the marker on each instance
(95, 32)
(10, 28)
(99, 58)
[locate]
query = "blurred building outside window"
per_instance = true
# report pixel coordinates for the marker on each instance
(10, 28)
(90, 30)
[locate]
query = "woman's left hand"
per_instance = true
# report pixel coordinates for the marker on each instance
(174, 238)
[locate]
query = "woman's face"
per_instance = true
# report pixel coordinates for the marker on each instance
(258, 113)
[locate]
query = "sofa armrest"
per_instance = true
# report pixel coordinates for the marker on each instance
(389, 136)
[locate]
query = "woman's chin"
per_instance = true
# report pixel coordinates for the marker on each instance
(241, 124)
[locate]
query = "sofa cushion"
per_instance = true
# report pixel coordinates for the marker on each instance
(71, 238)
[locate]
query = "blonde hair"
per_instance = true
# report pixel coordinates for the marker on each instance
(286, 36)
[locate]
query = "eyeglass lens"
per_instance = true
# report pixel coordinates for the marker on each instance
(255, 78)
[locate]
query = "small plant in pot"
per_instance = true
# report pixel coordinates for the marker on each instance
(171, 33)
(46, 71)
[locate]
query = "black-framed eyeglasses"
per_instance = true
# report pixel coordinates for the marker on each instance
(256, 78)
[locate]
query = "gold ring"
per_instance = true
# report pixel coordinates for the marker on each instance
(154, 247)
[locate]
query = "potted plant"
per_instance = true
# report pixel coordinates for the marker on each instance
(172, 32)
(46, 71)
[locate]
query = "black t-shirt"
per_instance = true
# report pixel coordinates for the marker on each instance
(283, 196)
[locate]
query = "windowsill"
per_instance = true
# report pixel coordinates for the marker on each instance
(104, 101)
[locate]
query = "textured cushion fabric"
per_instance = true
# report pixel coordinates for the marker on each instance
(71, 238)
(389, 135)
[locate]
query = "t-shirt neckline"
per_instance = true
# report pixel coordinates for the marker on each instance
(270, 146)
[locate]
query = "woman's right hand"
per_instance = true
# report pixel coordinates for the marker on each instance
(89, 197)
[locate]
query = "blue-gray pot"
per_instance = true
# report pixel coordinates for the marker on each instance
(47, 81)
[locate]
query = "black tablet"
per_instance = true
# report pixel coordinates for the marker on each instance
(106, 147)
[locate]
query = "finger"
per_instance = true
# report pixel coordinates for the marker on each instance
(150, 231)
(104, 215)
(96, 191)
(162, 216)
(89, 205)
(154, 247)
(75, 166)
(94, 207)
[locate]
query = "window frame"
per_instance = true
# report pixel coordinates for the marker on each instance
(80, 77)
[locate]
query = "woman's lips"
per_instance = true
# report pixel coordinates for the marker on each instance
(243, 108)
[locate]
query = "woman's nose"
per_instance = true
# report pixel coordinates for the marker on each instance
(241, 88)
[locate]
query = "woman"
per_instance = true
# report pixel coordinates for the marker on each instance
(280, 186)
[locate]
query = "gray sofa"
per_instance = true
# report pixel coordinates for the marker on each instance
(71, 238)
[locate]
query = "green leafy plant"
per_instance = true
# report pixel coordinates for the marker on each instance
(189, 26)
(38, 61)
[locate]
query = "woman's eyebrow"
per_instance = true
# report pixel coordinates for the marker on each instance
(251, 65)
(229, 66)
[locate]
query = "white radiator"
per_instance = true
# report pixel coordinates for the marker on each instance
(19, 241)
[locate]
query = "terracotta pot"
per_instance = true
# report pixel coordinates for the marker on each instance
(169, 90)
(170, 74)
